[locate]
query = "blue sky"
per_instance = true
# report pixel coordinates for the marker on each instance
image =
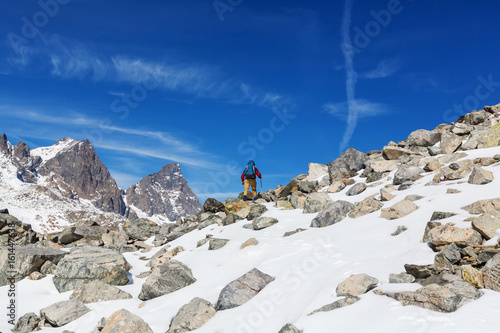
(211, 84)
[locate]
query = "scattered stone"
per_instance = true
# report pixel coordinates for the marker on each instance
(461, 129)
(165, 255)
(297, 200)
(316, 202)
(491, 273)
(447, 234)
(400, 229)
(356, 189)
(449, 255)
(367, 206)
(433, 166)
(448, 296)
(98, 291)
(413, 197)
(422, 272)
(452, 191)
(87, 263)
(356, 285)
(242, 289)
(480, 176)
(192, 316)
(398, 210)
(336, 187)
(289, 328)
(308, 187)
(143, 275)
(123, 321)
(424, 138)
(115, 240)
(61, 313)
(384, 166)
(249, 242)
(386, 196)
(394, 153)
(351, 160)
(28, 259)
(290, 233)
(215, 219)
(165, 279)
(230, 219)
(433, 151)
(473, 276)
(483, 206)
(256, 211)
(487, 224)
(450, 142)
(334, 213)
(141, 229)
(27, 323)
(337, 304)
(407, 173)
(401, 278)
(211, 205)
(217, 243)
(263, 222)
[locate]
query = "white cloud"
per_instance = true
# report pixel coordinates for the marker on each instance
(385, 68)
(363, 109)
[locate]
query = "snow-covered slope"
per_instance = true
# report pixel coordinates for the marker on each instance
(307, 268)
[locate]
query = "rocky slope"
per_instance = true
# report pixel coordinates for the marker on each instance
(66, 182)
(164, 193)
(406, 238)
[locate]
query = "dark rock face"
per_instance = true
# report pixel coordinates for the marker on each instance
(351, 159)
(165, 192)
(80, 168)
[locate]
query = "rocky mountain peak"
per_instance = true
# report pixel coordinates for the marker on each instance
(164, 193)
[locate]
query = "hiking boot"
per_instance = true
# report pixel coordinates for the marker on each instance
(254, 199)
(245, 197)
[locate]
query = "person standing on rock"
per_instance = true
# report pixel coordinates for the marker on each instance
(248, 178)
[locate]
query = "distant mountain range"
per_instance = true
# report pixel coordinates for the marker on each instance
(66, 182)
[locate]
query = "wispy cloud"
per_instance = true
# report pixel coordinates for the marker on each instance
(385, 68)
(363, 107)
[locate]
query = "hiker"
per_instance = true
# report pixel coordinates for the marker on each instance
(248, 178)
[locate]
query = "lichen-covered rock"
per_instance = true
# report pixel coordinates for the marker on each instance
(447, 234)
(332, 214)
(480, 176)
(491, 273)
(61, 313)
(87, 263)
(242, 289)
(27, 323)
(217, 243)
(401, 278)
(192, 316)
(472, 275)
(407, 173)
(356, 189)
(316, 202)
(450, 142)
(141, 229)
(260, 223)
(487, 224)
(367, 206)
(98, 291)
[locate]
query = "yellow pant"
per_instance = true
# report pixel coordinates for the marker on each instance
(253, 183)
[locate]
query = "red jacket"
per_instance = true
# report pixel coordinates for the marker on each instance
(256, 172)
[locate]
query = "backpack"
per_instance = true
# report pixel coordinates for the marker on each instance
(250, 170)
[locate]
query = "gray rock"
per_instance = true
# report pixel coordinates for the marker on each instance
(447, 234)
(263, 222)
(424, 138)
(356, 189)
(398, 210)
(491, 273)
(483, 206)
(337, 304)
(334, 213)
(98, 291)
(115, 240)
(165, 192)
(476, 117)
(421, 272)
(487, 224)
(123, 321)
(356, 285)
(242, 289)
(351, 159)
(336, 187)
(298, 199)
(449, 255)
(28, 259)
(367, 206)
(308, 187)
(450, 142)
(399, 230)
(290, 233)
(217, 243)
(192, 316)
(316, 202)
(401, 278)
(447, 297)
(480, 176)
(61, 313)
(214, 219)
(213, 206)
(461, 129)
(141, 229)
(165, 279)
(473, 140)
(88, 263)
(230, 219)
(27, 323)
(441, 215)
(256, 211)
(289, 328)
(407, 173)
(394, 153)
(433, 151)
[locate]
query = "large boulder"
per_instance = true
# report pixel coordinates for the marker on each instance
(316, 202)
(23, 235)
(26, 323)
(480, 176)
(424, 138)
(384, 166)
(398, 210)
(491, 273)
(450, 142)
(487, 224)
(356, 285)
(394, 152)
(61, 313)
(447, 296)
(241, 290)
(407, 173)
(447, 234)
(141, 229)
(123, 321)
(256, 211)
(87, 263)
(490, 138)
(23, 260)
(367, 206)
(298, 199)
(165, 279)
(351, 159)
(332, 214)
(356, 189)
(316, 170)
(192, 316)
(98, 291)
(213, 206)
